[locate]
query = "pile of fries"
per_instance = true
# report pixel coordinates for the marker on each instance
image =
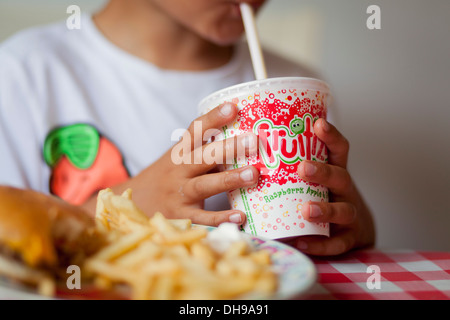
(159, 258)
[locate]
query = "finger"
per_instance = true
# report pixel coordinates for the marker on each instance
(215, 218)
(335, 178)
(338, 146)
(341, 242)
(207, 185)
(337, 212)
(207, 125)
(223, 152)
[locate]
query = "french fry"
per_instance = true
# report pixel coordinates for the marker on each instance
(127, 194)
(181, 224)
(186, 237)
(47, 287)
(162, 225)
(110, 271)
(163, 288)
(261, 257)
(142, 289)
(145, 251)
(236, 249)
(121, 246)
(204, 254)
(118, 205)
(160, 258)
(100, 211)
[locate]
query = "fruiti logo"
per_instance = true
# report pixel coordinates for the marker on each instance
(289, 145)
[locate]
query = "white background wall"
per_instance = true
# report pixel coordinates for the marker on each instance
(391, 90)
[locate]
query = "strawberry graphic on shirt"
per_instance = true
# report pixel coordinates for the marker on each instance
(82, 162)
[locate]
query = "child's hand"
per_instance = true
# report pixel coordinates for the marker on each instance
(351, 221)
(179, 190)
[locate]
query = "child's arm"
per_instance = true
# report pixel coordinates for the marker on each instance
(179, 190)
(352, 223)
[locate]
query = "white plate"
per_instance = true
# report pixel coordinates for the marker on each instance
(296, 272)
(13, 291)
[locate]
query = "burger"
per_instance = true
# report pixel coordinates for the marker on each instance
(40, 236)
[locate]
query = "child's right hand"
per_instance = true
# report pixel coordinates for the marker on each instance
(179, 190)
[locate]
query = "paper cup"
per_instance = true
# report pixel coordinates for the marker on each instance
(281, 111)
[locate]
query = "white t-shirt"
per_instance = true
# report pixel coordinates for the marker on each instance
(52, 77)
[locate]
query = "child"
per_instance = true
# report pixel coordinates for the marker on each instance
(86, 109)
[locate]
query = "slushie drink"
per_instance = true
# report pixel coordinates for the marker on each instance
(281, 112)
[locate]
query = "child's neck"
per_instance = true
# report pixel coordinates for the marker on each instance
(159, 40)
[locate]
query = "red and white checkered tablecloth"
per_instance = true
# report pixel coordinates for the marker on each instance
(403, 275)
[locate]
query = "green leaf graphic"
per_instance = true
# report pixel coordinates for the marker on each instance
(79, 142)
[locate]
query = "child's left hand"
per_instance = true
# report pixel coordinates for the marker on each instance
(351, 224)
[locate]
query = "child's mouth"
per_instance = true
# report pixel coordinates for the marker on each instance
(255, 4)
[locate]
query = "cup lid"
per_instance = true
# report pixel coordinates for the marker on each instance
(290, 82)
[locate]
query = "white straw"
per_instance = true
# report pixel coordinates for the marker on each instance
(248, 17)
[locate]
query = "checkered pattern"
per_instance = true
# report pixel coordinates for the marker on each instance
(403, 275)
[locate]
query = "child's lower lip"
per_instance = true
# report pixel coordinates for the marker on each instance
(236, 12)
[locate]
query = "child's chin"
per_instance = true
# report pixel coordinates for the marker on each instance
(226, 40)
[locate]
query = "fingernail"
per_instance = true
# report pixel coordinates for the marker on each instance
(226, 109)
(246, 175)
(325, 125)
(309, 168)
(248, 141)
(315, 211)
(235, 218)
(302, 245)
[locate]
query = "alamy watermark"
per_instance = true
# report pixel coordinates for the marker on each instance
(74, 280)
(73, 22)
(374, 20)
(193, 147)
(374, 280)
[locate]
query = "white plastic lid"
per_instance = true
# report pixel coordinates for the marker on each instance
(218, 97)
